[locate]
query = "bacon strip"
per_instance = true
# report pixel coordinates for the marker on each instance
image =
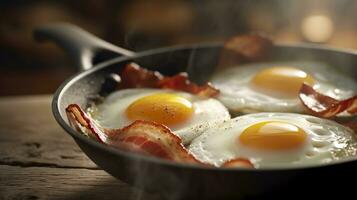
(181, 82)
(143, 137)
(238, 163)
(324, 106)
(244, 48)
(153, 139)
(78, 119)
(133, 76)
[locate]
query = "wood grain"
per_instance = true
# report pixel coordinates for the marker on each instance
(27, 124)
(38, 160)
(35, 183)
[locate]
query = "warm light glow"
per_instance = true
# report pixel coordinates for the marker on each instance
(317, 28)
(273, 135)
(282, 81)
(167, 109)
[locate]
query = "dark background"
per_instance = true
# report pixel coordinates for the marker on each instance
(27, 67)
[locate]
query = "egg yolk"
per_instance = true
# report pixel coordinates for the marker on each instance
(273, 135)
(285, 81)
(167, 109)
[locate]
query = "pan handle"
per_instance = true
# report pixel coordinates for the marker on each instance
(80, 44)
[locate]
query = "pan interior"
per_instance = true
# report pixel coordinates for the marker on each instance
(199, 61)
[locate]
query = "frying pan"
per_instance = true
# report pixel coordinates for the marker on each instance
(98, 59)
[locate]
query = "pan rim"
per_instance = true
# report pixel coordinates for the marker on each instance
(75, 135)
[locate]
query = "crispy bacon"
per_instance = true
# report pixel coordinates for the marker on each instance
(181, 82)
(133, 76)
(238, 163)
(78, 119)
(244, 48)
(144, 137)
(324, 106)
(153, 139)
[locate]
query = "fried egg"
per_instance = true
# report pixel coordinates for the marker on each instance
(185, 114)
(274, 86)
(276, 140)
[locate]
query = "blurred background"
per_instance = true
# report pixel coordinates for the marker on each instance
(27, 67)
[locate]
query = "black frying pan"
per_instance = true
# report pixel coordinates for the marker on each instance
(175, 180)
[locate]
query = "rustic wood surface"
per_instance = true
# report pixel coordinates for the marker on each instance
(38, 160)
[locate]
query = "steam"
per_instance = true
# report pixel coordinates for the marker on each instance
(175, 189)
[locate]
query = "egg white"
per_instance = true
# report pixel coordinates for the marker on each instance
(207, 112)
(239, 96)
(326, 141)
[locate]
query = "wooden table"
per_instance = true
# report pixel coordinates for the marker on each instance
(38, 160)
